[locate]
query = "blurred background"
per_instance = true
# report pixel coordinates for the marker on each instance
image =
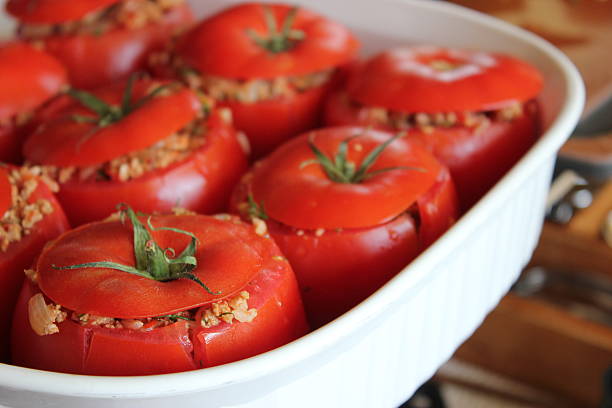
(549, 342)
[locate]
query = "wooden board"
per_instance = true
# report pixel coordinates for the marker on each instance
(542, 345)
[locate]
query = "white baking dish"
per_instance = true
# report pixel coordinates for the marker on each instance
(377, 354)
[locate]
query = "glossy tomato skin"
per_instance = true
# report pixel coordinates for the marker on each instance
(53, 11)
(180, 346)
(203, 182)
(10, 144)
(326, 45)
(20, 255)
(437, 79)
(429, 79)
(339, 267)
(269, 122)
(24, 87)
(477, 158)
(96, 60)
(78, 349)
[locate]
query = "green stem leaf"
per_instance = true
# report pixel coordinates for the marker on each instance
(107, 265)
(90, 101)
(194, 278)
(371, 158)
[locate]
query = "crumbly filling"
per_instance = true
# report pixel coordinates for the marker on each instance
(427, 121)
(23, 214)
(254, 90)
(173, 149)
(128, 14)
(245, 91)
(44, 317)
(226, 311)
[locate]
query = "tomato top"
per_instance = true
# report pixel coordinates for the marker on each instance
(435, 79)
(6, 194)
(231, 43)
(79, 135)
(229, 254)
(297, 191)
(24, 86)
(53, 11)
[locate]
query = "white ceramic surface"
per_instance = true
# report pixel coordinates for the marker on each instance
(377, 354)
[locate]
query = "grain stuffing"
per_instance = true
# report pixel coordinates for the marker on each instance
(25, 212)
(173, 149)
(427, 121)
(45, 317)
(239, 90)
(128, 14)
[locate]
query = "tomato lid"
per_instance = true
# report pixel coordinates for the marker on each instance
(68, 139)
(436, 79)
(229, 254)
(295, 190)
(6, 193)
(24, 86)
(226, 44)
(53, 11)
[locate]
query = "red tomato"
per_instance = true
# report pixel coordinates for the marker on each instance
(231, 258)
(433, 80)
(345, 239)
(20, 254)
(53, 11)
(93, 60)
(202, 182)
(23, 87)
(267, 123)
(311, 44)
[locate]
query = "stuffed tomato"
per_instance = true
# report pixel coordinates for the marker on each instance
(31, 216)
(136, 295)
(142, 142)
(349, 207)
(24, 87)
(272, 65)
(99, 40)
(474, 110)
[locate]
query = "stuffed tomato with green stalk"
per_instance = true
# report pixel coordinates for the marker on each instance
(143, 142)
(137, 295)
(31, 216)
(474, 110)
(99, 41)
(272, 65)
(23, 88)
(349, 207)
